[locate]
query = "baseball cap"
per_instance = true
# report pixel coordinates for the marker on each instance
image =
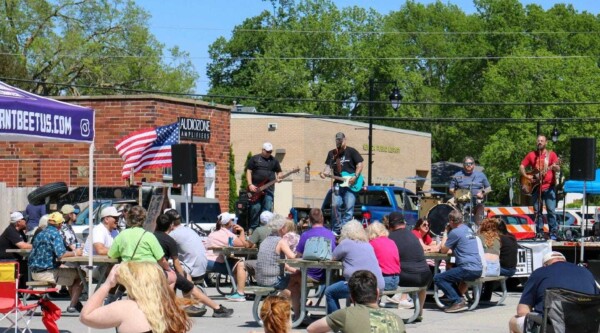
(109, 211)
(226, 217)
(339, 136)
(16, 217)
(67, 209)
(265, 217)
(267, 146)
(396, 217)
(57, 217)
(553, 255)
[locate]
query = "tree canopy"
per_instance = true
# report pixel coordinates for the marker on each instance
(103, 43)
(511, 68)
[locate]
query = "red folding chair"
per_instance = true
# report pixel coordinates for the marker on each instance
(12, 308)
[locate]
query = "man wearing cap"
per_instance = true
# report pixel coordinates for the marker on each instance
(556, 273)
(68, 234)
(463, 242)
(261, 169)
(343, 161)
(414, 271)
(44, 261)
(260, 234)
(104, 233)
(14, 237)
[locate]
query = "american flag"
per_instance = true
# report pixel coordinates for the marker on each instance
(147, 148)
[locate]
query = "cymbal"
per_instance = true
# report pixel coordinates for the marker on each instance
(417, 178)
(432, 192)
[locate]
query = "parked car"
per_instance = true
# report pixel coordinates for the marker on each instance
(372, 204)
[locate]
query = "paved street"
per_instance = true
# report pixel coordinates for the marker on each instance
(484, 319)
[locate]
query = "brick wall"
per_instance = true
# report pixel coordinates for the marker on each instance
(33, 164)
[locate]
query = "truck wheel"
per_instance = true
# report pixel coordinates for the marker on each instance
(38, 196)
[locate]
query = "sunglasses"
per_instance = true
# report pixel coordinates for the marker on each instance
(268, 151)
(469, 163)
(425, 225)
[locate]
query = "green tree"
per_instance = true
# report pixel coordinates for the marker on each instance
(233, 189)
(243, 181)
(102, 43)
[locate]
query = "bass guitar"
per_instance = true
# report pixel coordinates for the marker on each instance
(253, 197)
(345, 179)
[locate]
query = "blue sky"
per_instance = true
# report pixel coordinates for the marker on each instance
(195, 24)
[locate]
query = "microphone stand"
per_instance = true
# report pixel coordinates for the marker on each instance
(540, 206)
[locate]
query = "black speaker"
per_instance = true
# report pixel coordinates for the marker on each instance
(185, 170)
(583, 158)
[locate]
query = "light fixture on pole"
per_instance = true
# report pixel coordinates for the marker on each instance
(395, 100)
(555, 134)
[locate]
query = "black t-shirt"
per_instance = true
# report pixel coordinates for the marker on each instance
(412, 256)
(263, 169)
(508, 251)
(167, 243)
(9, 239)
(349, 158)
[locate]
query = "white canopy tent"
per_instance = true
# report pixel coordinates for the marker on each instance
(26, 117)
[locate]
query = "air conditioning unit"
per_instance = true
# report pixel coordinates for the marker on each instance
(272, 126)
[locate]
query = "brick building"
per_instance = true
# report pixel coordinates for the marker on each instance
(25, 164)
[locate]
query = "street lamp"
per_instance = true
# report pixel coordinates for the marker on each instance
(395, 100)
(555, 134)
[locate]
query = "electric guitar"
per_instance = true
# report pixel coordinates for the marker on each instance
(345, 179)
(528, 186)
(253, 197)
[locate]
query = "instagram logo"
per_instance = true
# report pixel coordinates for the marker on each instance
(85, 128)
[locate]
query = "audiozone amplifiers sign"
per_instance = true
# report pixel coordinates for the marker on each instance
(194, 129)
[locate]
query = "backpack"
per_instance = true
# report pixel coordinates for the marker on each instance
(317, 248)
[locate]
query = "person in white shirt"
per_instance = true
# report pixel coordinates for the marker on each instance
(104, 233)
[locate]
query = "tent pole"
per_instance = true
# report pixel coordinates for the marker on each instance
(91, 219)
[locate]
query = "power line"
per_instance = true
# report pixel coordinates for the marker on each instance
(306, 100)
(406, 58)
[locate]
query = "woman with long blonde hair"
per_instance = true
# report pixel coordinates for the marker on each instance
(151, 305)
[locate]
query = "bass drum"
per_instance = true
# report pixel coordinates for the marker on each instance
(438, 218)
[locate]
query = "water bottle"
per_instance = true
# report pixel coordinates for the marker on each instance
(437, 240)
(230, 241)
(336, 189)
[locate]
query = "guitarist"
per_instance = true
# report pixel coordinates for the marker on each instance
(342, 159)
(261, 169)
(544, 164)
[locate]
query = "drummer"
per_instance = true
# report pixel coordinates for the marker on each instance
(469, 178)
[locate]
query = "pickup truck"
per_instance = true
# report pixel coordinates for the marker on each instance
(372, 204)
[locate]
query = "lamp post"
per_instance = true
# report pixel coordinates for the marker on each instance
(395, 100)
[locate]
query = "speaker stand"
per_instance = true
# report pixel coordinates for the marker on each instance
(187, 204)
(584, 221)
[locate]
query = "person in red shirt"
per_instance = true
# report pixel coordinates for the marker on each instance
(543, 165)
(421, 230)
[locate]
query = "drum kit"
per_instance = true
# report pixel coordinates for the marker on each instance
(433, 206)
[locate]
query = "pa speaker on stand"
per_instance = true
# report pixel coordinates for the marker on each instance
(583, 158)
(185, 169)
(242, 208)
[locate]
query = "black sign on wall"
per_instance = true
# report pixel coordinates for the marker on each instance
(194, 129)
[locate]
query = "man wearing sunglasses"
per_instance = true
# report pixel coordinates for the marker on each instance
(260, 170)
(472, 180)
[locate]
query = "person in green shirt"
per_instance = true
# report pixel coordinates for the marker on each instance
(365, 315)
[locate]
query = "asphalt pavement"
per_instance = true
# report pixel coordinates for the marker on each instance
(486, 318)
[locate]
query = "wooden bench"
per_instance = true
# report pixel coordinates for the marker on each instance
(477, 286)
(414, 294)
(259, 293)
(40, 284)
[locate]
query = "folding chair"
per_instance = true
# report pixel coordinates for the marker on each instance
(566, 311)
(12, 307)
